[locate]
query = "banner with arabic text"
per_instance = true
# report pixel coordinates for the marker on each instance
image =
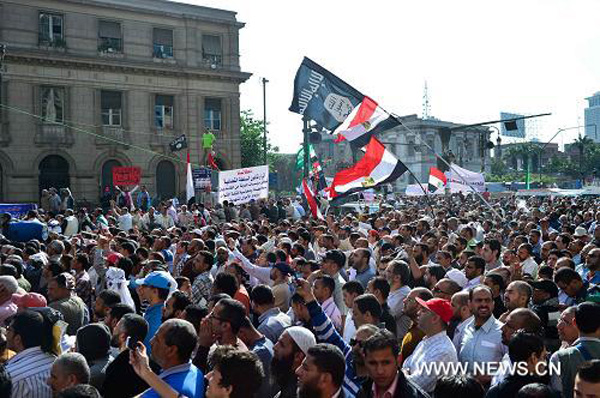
(242, 185)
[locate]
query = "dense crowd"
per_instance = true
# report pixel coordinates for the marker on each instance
(410, 297)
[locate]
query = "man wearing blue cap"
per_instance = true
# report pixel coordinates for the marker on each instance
(154, 289)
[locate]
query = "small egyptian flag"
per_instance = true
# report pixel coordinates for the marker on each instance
(312, 201)
(437, 180)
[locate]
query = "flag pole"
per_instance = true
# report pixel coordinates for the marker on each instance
(418, 136)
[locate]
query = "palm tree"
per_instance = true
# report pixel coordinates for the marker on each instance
(582, 143)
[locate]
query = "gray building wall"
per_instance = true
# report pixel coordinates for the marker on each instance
(464, 144)
(592, 117)
(84, 71)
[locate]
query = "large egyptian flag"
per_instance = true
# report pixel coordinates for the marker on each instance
(321, 96)
(365, 121)
(378, 166)
(437, 180)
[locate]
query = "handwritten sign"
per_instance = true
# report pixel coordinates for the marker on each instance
(242, 185)
(126, 175)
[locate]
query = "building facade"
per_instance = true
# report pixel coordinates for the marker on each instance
(93, 84)
(592, 117)
(465, 146)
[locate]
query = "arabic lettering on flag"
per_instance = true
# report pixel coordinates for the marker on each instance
(321, 96)
(178, 143)
(437, 179)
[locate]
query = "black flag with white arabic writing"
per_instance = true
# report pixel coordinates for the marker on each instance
(321, 96)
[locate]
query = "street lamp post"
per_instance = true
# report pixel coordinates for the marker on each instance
(264, 82)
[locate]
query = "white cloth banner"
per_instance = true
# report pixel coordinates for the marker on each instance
(460, 179)
(415, 190)
(242, 185)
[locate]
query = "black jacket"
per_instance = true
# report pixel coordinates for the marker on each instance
(404, 389)
(510, 386)
(121, 381)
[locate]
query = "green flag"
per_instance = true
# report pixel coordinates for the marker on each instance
(300, 156)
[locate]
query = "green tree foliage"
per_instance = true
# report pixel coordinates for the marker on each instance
(252, 142)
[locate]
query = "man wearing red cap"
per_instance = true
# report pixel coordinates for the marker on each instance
(435, 348)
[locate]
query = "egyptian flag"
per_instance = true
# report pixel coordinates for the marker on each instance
(317, 175)
(312, 201)
(437, 180)
(377, 167)
(365, 121)
(210, 159)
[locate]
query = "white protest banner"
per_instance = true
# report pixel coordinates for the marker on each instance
(242, 185)
(460, 179)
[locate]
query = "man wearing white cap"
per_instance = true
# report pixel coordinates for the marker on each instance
(288, 354)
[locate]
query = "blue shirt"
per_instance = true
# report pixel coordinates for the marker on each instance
(365, 276)
(482, 344)
(186, 379)
(153, 316)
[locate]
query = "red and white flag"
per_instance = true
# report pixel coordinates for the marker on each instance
(366, 120)
(437, 180)
(312, 201)
(378, 166)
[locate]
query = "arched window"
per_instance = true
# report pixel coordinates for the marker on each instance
(107, 174)
(165, 180)
(54, 173)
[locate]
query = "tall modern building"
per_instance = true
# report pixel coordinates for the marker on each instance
(93, 84)
(592, 117)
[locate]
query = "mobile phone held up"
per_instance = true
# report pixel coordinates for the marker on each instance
(130, 343)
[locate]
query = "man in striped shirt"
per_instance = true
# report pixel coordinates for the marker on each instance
(30, 368)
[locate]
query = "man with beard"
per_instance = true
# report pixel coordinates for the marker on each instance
(359, 260)
(321, 373)
(385, 379)
(121, 381)
(491, 254)
(528, 264)
(105, 300)
(517, 295)
(482, 338)
(175, 306)
(592, 275)
(568, 332)
(473, 271)
(288, 353)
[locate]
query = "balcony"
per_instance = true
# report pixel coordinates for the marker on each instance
(161, 138)
(111, 47)
(112, 135)
(53, 135)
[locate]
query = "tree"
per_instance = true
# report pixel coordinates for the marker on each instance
(252, 142)
(583, 144)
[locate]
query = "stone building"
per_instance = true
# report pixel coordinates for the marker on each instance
(93, 84)
(465, 144)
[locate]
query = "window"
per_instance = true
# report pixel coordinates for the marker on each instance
(109, 34)
(110, 103)
(53, 104)
(51, 30)
(411, 147)
(163, 112)
(211, 50)
(163, 43)
(212, 114)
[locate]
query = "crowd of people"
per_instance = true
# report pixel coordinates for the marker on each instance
(414, 297)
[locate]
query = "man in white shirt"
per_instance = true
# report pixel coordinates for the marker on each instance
(473, 271)
(435, 348)
(397, 274)
(30, 368)
(528, 264)
(125, 220)
(323, 289)
(462, 315)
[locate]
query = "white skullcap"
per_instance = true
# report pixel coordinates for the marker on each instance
(457, 276)
(302, 337)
